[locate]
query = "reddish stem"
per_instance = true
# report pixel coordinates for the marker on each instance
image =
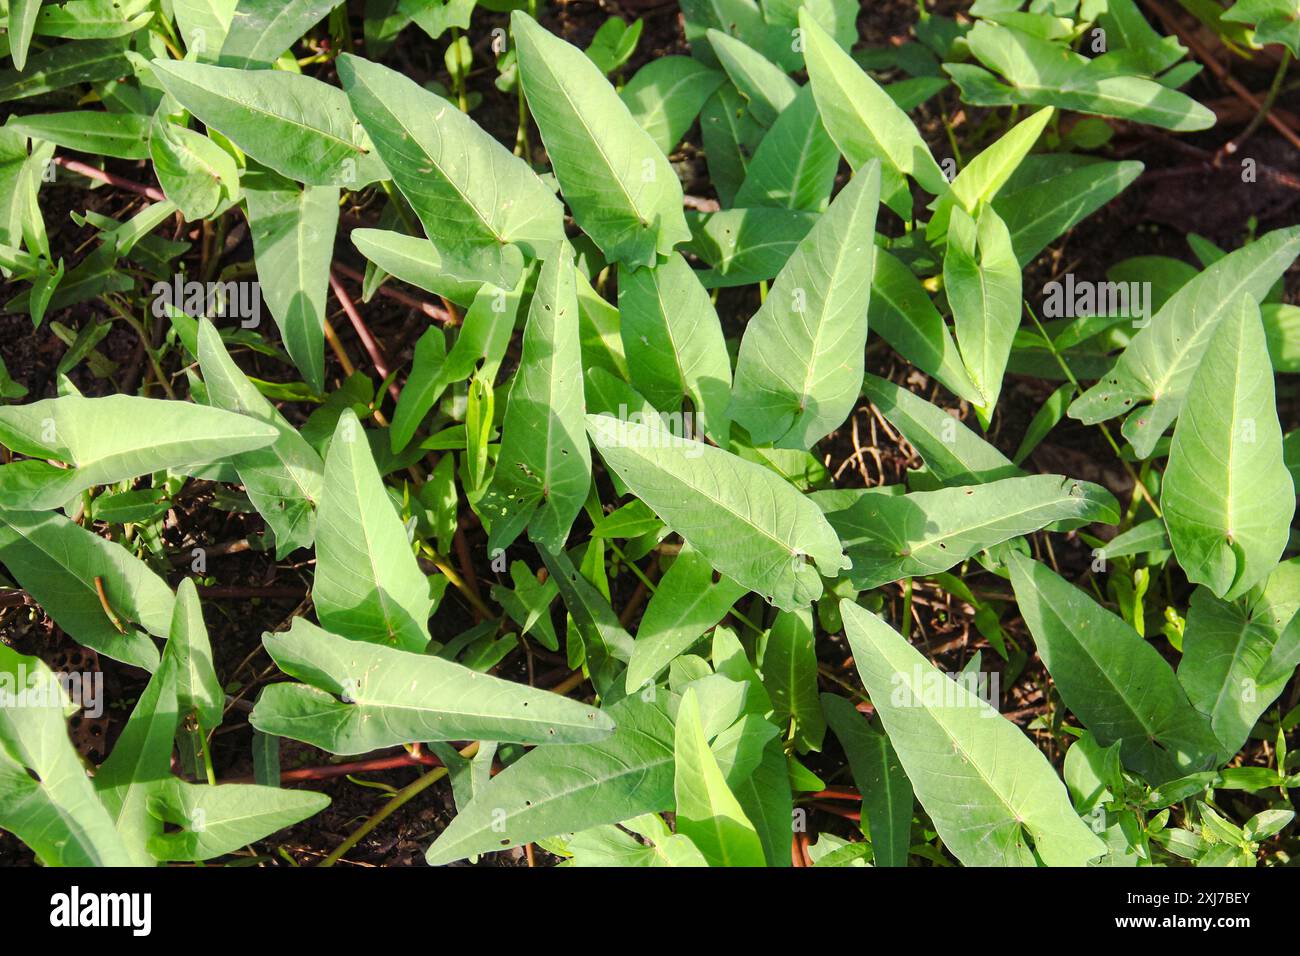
(432, 311)
(363, 333)
(90, 172)
(837, 810)
(838, 793)
(1220, 71)
(357, 766)
(466, 562)
(228, 592)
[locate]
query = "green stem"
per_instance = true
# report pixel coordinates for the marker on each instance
(140, 330)
(207, 756)
(1139, 488)
(907, 608)
(412, 227)
(458, 80)
(521, 131)
(399, 800)
(1269, 99)
(835, 678)
(640, 575)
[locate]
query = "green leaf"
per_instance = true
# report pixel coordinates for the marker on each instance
(613, 43)
(789, 664)
(1158, 365)
(747, 245)
(707, 811)
(529, 604)
(89, 19)
(21, 26)
(762, 83)
(1282, 329)
(483, 338)
(300, 127)
(1227, 496)
(46, 799)
(458, 272)
(622, 190)
(795, 164)
(764, 793)
(1267, 822)
(1043, 73)
(750, 524)
(952, 452)
(368, 586)
(197, 686)
(1044, 420)
(988, 172)
(1049, 195)
(203, 25)
(436, 17)
(141, 758)
(800, 365)
(886, 791)
(902, 314)
(284, 480)
(261, 30)
(632, 520)
(91, 61)
(731, 134)
(293, 244)
(984, 784)
(1274, 21)
(888, 537)
(424, 383)
(666, 95)
(361, 697)
(86, 434)
(686, 603)
(607, 845)
(742, 19)
(605, 642)
(861, 117)
(194, 172)
(543, 470)
(598, 324)
(1143, 538)
(1228, 649)
(1114, 681)
(554, 790)
(214, 821)
(119, 135)
(982, 280)
(57, 562)
(479, 417)
(673, 342)
(839, 17)
(467, 189)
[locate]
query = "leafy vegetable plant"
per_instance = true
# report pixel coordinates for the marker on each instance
(693, 449)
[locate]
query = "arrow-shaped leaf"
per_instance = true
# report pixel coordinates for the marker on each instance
(749, 523)
(360, 697)
(623, 192)
(987, 788)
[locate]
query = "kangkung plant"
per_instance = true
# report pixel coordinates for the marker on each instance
(603, 440)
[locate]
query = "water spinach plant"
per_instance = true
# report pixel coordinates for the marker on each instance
(648, 459)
